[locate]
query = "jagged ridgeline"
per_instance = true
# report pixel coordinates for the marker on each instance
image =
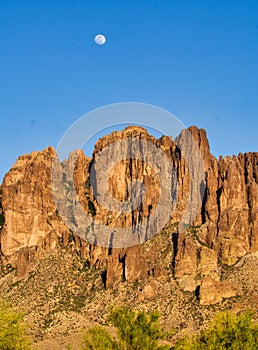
(224, 230)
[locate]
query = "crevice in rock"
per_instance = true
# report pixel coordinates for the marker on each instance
(197, 292)
(175, 249)
(122, 260)
(198, 256)
(218, 194)
(248, 182)
(1, 211)
(104, 278)
(110, 248)
(204, 193)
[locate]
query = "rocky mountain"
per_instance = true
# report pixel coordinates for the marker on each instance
(208, 265)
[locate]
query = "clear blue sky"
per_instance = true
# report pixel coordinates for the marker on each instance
(197, 59)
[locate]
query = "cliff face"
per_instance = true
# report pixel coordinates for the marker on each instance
(31, 223)
(224, 229)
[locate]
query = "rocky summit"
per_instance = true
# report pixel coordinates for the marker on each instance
(65, 278)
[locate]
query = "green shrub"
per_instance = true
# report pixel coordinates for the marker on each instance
(12, 329)
(135, 331)
(228, 331)
(98, 338)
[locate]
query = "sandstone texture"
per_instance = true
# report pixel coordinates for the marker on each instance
(223, 230)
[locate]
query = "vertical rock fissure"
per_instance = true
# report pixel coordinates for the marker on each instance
(175, 249)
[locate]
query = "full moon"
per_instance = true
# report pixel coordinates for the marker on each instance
(100, 39)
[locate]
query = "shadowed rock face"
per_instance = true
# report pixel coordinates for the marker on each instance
(224, 229)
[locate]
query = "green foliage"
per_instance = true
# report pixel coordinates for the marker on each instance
(135, 331)
(228, 331)
(98, 338)
(12, 329)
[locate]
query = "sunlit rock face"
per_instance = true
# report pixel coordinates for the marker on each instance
(225, 227)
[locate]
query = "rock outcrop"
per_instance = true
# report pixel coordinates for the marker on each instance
(224, 229)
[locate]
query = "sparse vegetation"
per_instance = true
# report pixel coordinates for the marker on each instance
(194, 232)
(12, 329)
(87, 184)
(91, 208)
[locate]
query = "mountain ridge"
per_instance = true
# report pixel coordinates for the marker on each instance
(223, 235)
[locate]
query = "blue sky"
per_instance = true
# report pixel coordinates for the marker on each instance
(197, 59)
